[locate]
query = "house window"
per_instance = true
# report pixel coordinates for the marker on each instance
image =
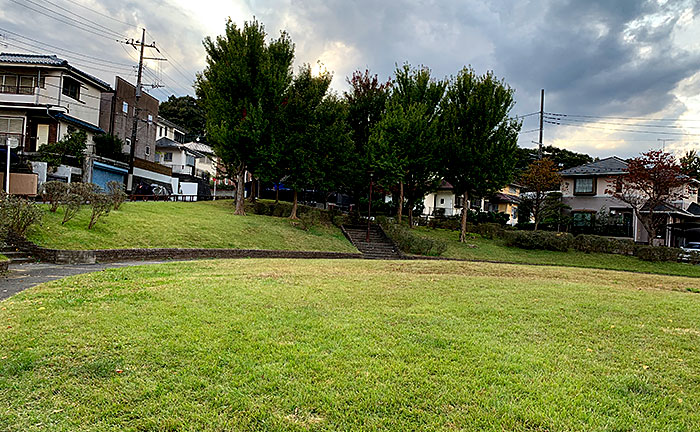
(11, 129)
(582, 219)
(71, 88)
(148, 151)
(150, 119)
(512, 190)
(584, 186)
(442, 200)
(179, 137)
(168, 157)
(189, 160)
(125, 108)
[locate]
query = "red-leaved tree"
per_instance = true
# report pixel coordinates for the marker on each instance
(653, 179)
(539, 179)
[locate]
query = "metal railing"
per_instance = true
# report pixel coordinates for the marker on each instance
(16, 89)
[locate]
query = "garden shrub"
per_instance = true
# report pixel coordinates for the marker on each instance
(597, 244)
(262, 208)
(544, 240)
(115, 191)
(410, 242)
(54, 192)
(101, 204)
(489, 230)
(78, 195)
(658, 253)
(17, 215)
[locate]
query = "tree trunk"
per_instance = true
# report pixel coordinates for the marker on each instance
(400, 212)
(463, 225)
(252, 190)
(294, 207)
(410, 216)
(277, 193)
(240, 191)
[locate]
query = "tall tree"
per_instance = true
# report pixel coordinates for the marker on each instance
(480, 138)
(241, 90)
(366, 102)
(540, 178)
(690, 164)
(186, 112)
(562, 158)
(405, 141)
(314, 134)
(652, 180)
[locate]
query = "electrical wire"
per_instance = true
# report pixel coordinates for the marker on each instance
(102, 14)
(620, 124)
(560, 123)
(620, 118)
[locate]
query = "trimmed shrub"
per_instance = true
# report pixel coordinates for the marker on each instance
(54, 192)
(410, 242)
(101, 204)
(17, 215)
(598, 244)
(115, 191)
(544, 240)
(658, 253)
(489, 230)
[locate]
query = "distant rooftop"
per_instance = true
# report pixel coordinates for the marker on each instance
(48, 60)
(611, 165)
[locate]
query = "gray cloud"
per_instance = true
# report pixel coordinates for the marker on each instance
(593, 57)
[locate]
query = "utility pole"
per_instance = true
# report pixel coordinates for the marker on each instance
(663, 142)
(539, 151)
(140, 45)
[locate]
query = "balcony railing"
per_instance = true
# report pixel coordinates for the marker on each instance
(23, 90)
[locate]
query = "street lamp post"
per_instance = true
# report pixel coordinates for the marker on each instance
(369, 209)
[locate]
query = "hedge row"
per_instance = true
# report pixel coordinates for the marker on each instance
(562, 242)
(308, 215)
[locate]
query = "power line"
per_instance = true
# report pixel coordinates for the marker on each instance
(41, 45)
(90, 22)
(621, 118)
(530, 131)
(620, 124)
(561, 123)
(102, 14)
(85, 27)
(174, 62)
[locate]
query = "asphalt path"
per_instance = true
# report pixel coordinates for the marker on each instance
(23, 276)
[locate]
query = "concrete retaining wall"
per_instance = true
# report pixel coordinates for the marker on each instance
(3, 265)
(58, 256)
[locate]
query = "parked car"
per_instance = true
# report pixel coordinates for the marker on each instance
(690, 248)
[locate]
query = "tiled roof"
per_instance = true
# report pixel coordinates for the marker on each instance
(200, 147)
(167, 142)
(500, 197)
(611, 165)
(48, 60)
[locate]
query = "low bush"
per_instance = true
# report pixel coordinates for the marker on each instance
(658, 253)
(451, 223)
(489, 230)
(409, 242)
(101, 204)
(17, 215)
(545, 240)
(54, 192)
(115, 191)
(598, 244)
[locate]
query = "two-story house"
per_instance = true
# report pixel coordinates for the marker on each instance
(585, 189)
(444, 201)
(42, 97)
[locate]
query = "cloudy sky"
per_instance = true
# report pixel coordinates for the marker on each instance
(626, 72)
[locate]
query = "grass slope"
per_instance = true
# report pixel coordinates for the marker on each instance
(326, 345)
(496, 250)
(208, 224)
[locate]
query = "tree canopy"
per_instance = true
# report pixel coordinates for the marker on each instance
(479, 136)
(187, 112)
(241, 90)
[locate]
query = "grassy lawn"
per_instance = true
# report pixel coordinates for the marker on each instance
(352, 345)
(209, 224)
(496, 250)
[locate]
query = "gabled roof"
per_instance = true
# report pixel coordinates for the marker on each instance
(611, 165)
(53, 61)
(167, 142)
(200, 147)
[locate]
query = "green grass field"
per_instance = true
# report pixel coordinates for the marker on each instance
(209, 224)
(496, 250)
(352, 345)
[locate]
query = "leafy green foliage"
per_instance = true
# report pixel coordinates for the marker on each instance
(101, 204)
(17, 215)
(562, 158)
(53, 192)
(551, 241)
(185, 111)
(539, 178)
(598, 244)
(78, 195)
(241, 91)
(405, 141)
(72, 146)
(110, 146)
(690, 164)
(479, 137)
(657, 253)
(412, 243)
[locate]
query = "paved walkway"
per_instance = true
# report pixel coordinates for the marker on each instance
(23, 276)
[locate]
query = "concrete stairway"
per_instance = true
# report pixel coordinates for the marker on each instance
(15, 255)
(379, 245)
